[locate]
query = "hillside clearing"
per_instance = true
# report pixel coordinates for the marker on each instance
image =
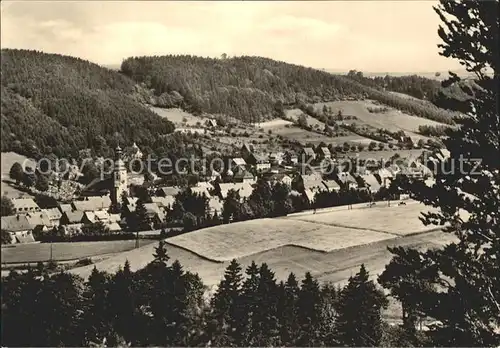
(392, 120)
(7, 160)
(177, 116)
(226, 242)
(402, 220)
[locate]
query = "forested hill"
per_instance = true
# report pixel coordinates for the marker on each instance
(253, 88)
(59, 104)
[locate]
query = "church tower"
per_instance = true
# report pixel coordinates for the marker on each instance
(120, 183)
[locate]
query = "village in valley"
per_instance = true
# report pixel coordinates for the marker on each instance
(250, 174)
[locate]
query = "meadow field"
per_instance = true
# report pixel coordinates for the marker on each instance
(25, 253)
(237, 240)
(177, 116)
(7, 160)
(393, 120)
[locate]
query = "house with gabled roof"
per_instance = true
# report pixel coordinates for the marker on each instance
(24, 205)
(306, 153)
(371, 183)
(73, 217)
(18, 227)
(246, 150)
(347, 180)
(244, 188)
(331, 185)
(168, 191)
(54, 215)
(92, 203)
(243, 176)
(324, 153)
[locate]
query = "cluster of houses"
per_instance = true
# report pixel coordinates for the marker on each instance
(240, 175)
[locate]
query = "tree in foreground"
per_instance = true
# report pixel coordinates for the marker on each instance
(464, 296)
(359, 321)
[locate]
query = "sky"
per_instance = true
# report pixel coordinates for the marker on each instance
(370, 36)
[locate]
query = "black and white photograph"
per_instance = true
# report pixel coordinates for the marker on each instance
(250, 173)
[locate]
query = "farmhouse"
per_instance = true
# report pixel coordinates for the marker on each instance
(324, 153)
(331, 185)
(347, 180)
(54, 215)
(39, 221)
(24, 205)
(281, 178)
(243, 176)
(371, 183)
(244, 189)
(73, 217)
(260, 162)
(167, 191)
(163, 202)
(65, 208)
(307, 153)
(19, 228)
(237, 163)
(92, 204)
(247, 150)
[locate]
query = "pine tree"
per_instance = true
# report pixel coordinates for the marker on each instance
(309, 310)
(288, 294)
(248, 302)
(123, 306)
(96, 319)
(226, 308)
(359, 322)
(142, 216)
(466, 299)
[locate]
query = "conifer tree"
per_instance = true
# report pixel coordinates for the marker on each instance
(96, 318)
(141, 214)
(309, 310)
(466, 295)
(288, 294)
(226, 308)
(248, 302)
(359, 322)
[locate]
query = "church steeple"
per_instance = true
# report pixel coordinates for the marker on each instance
(120, 182)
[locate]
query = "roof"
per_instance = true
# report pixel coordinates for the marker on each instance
(239, 161)
(244, 189)
(92, 203)
(163, 201)
(331, 185)
(260, 158)
(113, 226)
(308, 151)
(53, 213)
(169, 190)
(25, 239)
(346, 178)
(313, 185)
(102, 215)
(200, 190)
(74, 216)
(16, 223)
(65, 208)
(310, 195)
(384, 173)
(325, 151)
(372, 182)
(24, 203)
(90, 215)
(280, 177)
(154, 209)
(215, 204)
(38, 219)
(114, 218)
(243, 174)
